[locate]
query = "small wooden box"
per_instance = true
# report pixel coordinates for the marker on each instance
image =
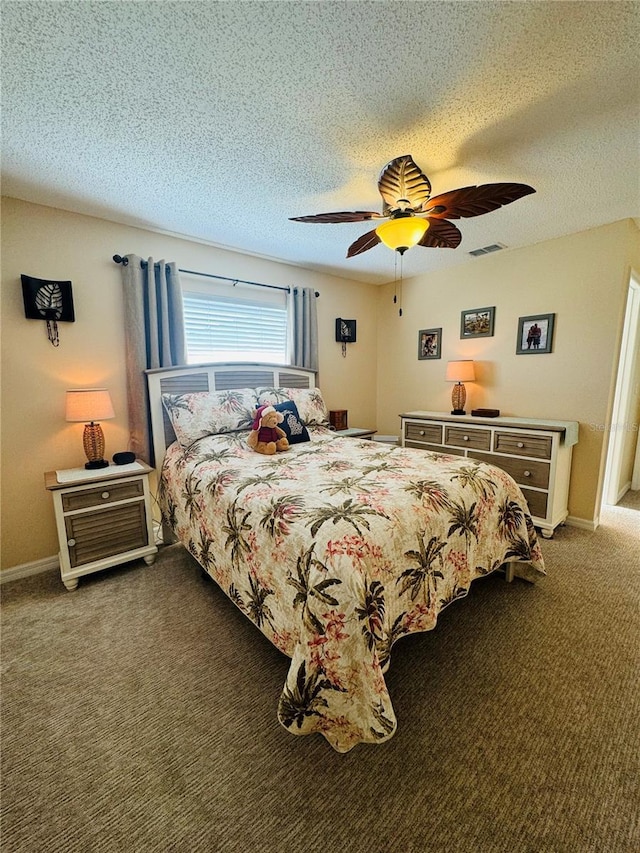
(485, 413)
(338, 419)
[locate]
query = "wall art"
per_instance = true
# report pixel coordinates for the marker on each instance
(477, 323)
(535, 334)
(429, 343)
(49, 301)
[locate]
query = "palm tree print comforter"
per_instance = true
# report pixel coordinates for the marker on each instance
(337, 548)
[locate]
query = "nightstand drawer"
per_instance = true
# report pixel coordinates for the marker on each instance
(431, 433)
(526, 472)
(479, 439)
(104, 532)
(109, 493)
(523, 445)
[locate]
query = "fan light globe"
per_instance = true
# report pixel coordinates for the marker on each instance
(402, 233)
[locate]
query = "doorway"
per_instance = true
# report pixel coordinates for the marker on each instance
(622, 468)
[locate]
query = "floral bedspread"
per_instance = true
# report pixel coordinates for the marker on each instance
(338, 547)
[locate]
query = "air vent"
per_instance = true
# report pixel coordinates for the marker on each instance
(486, 250)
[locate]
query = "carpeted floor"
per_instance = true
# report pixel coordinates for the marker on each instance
(139, 714)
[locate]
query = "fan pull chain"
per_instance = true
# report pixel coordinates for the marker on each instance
(395, 281)
(395, 278)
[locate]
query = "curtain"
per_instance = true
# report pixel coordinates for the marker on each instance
(305, 327)
(154, 337)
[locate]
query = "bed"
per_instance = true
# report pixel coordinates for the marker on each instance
(335, 548)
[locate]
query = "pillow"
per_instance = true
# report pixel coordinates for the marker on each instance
(207, 413)
(295, 429)
(311, 406)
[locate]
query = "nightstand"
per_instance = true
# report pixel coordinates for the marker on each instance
(103, 518)
(356, 432)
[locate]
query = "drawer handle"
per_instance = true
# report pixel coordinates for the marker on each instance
(527, 473)
(71, 543)
(421, 432)
(465, 438)
(521, 444)
(104, 495)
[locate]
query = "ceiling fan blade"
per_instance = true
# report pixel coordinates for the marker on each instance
(441, 235)
(363, 244)
(402, 180)
(342, 216)
(474, 201)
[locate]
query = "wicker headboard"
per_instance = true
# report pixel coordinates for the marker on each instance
(212, 377)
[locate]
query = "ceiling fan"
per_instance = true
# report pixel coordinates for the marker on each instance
(413, 216)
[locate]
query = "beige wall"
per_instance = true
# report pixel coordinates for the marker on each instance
(49, 243)
(582, 278)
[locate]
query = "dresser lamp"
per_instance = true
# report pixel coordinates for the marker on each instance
(90, 405)
(460, 372)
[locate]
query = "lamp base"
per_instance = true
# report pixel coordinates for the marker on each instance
(96, 463)
(458, 399)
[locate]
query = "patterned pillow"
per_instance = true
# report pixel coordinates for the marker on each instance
(207, 413)
(310, 403)
(295, 429)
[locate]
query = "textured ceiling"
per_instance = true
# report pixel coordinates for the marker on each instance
(219, 120)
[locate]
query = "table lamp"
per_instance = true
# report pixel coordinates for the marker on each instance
(460, 372)
(91, 405)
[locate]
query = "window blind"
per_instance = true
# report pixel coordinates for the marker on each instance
(220, 328)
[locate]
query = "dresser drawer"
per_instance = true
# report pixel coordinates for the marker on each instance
(435, 448)
(423, 432)
(479, 439)
(523, 445)
(537, 502)
(109, 493)
(526, 472)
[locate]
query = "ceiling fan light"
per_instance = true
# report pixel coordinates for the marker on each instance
(402, 233)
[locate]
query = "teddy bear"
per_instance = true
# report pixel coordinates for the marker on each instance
(266, 436)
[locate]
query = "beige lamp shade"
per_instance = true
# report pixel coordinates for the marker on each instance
(89, 404)
(461, 371)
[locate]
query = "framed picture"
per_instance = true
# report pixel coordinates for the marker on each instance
(429, 343)
(477, 323)
(535, 334)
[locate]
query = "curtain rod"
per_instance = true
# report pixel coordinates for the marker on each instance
(125, 262)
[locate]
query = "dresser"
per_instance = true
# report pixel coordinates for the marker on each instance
(103, 518)
(536, 453)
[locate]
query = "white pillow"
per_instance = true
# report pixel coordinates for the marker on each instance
(310, 403)
(207, 413)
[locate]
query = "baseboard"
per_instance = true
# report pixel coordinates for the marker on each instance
(583, 523)
(27, 569)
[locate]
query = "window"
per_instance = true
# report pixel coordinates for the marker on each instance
(244, 327)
